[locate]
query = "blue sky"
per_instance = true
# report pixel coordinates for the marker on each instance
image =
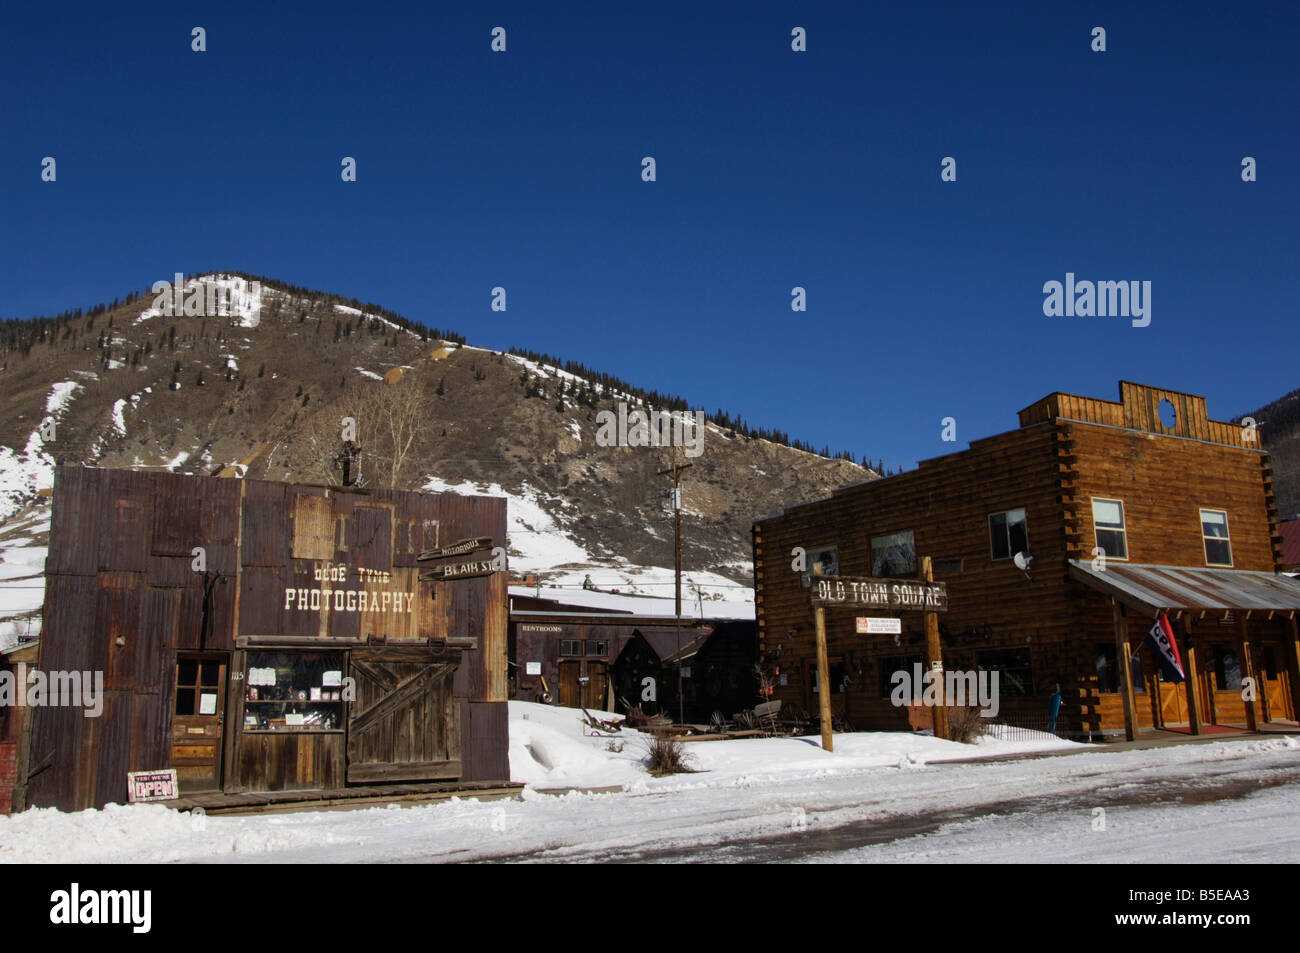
(774, 169)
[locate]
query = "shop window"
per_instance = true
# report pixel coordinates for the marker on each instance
(1016, 671)
(197, 686)
(1227, 669)
(1214, 533)
(1008, 534)
(893, 554)
(1108, 670)
(1108, 521)
(293, 691)
(825, 557)
(900, 663)
(597, 648)
(572, 647)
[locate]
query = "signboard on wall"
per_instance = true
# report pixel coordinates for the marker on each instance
(899, 594)
(151, 786)
(879, 626)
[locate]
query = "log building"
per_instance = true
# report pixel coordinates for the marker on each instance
(1181, 508)
(265, 637)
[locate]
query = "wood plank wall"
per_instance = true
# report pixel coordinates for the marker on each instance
(1052, 467)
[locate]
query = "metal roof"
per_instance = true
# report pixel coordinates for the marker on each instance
(1156, 589)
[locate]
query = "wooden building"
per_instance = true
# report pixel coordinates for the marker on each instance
(261, 636)
(1180, 506)
(574, 657)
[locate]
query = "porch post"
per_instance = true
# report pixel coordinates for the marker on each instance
(1122, 652)
(1193, 681)
(1248, 671)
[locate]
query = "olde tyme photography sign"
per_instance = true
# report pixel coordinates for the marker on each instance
(900, 594)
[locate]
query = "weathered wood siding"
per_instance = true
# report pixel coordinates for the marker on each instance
(1068, 450)
(123, 597)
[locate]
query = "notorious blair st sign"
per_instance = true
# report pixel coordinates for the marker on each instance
(901, 594)
(466, 568)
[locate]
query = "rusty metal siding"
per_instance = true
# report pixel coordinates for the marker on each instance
(373, 540)
(177, 517)
(120, 571)
(75, 520)
(483, 756)
(265, 512)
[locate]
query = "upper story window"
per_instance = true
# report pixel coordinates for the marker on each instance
(1108, 520)
(823, 558)
(1214, 532)
(1007, 533)
(893, 554)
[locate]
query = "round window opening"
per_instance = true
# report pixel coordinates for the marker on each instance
(1168, 416)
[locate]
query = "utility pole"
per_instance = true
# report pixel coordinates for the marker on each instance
(676, 470)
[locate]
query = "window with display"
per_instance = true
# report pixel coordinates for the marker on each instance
(293, 691)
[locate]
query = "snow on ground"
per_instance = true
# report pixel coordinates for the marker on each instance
(371, 374)
(880, 796)
(22, 573)
(119, 420)
(538, 541)
(23, 475)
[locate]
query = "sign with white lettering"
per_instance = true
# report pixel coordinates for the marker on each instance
(900, 594)
(458, 548)
(151, 786)
(885, 626)
(479, 567)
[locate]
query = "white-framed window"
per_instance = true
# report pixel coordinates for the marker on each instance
(1108, 522)
(1008, 533)
(1214, 533)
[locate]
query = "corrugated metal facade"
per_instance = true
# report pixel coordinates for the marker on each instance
(124, 596)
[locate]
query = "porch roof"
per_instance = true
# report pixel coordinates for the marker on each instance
(1156, 589)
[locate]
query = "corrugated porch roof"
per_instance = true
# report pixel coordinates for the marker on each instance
(1156, 589)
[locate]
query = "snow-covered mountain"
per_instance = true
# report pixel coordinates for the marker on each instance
(255, 381)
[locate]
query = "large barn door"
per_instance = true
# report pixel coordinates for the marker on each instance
(404, 724)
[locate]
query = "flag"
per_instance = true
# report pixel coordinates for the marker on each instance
(1161, 640)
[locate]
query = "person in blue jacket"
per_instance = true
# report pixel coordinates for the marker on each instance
(1053, 708)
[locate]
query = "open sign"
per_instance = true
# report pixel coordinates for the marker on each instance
(151, 786)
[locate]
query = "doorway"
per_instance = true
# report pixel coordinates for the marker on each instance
(199, 710)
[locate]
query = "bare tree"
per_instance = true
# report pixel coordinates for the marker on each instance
(389, 423)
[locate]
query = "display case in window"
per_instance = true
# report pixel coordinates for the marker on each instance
(293, 691)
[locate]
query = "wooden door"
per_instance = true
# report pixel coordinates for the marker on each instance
(404, 724)
(1173, 702)
(596, 688)
(200, 709)
(570, 686)
(1276, 685)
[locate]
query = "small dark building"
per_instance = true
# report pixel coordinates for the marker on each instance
(260, 636)
(574, 657)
